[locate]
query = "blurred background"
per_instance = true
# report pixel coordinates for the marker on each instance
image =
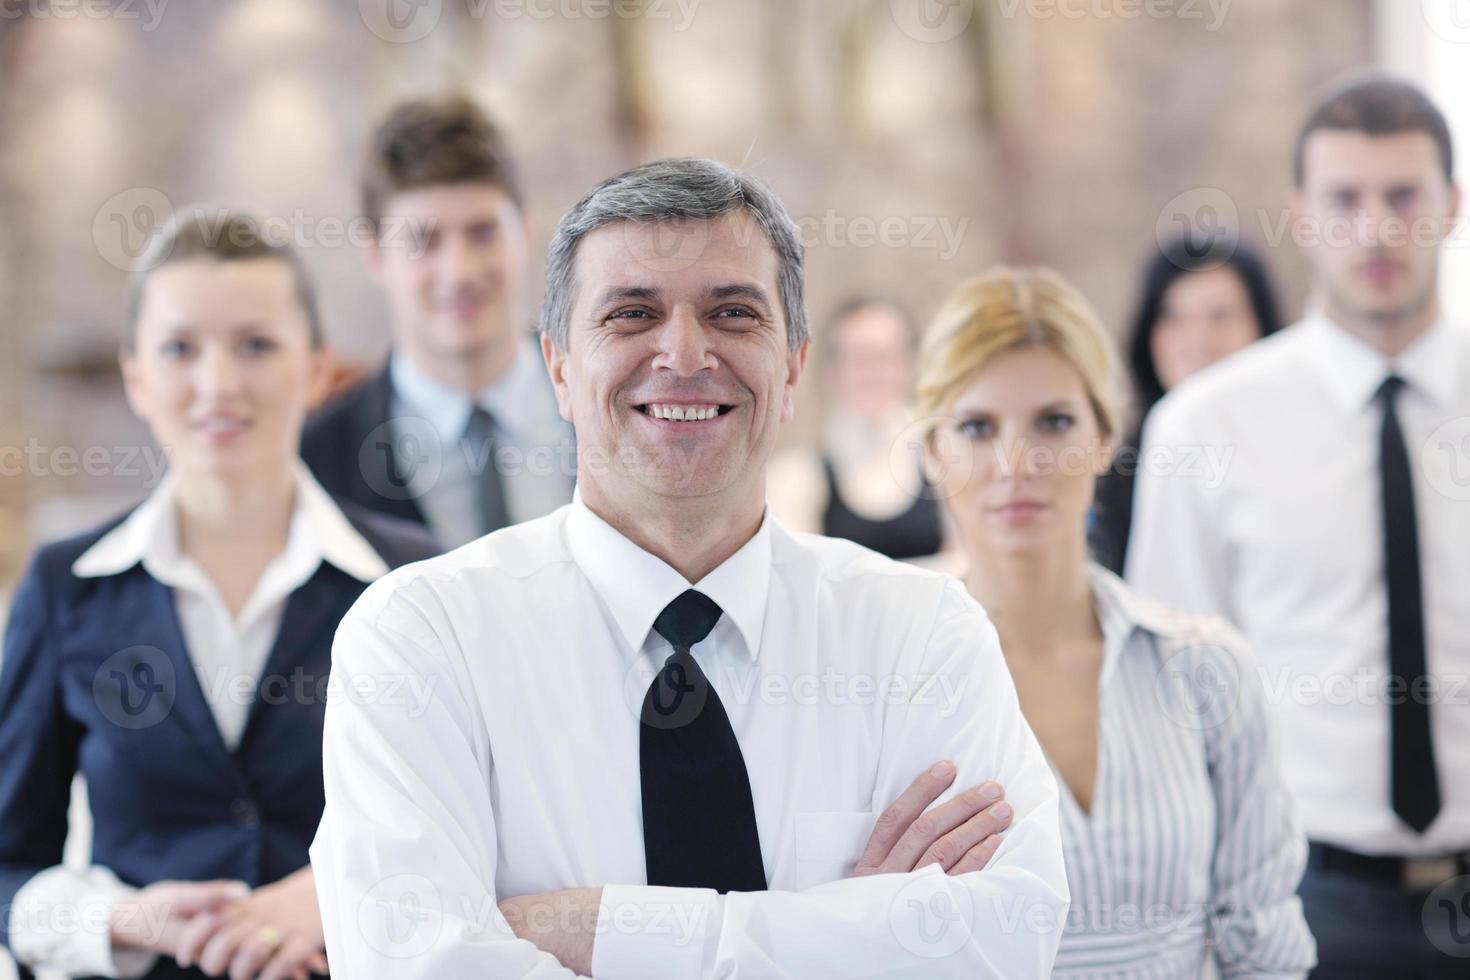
(916, 142)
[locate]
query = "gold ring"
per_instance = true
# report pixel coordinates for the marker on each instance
(269, 935)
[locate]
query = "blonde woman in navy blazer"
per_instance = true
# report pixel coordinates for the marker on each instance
(178, 657)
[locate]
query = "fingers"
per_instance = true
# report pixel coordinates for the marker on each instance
(978, 856)
(292, 961)
(931, 825)
(189, 897)
(894, 821)
(220, 951)
(257, 947)
(317, 963)
(955, 845)
(196, 934)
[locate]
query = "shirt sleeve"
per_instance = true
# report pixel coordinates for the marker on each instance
(1175, 552)
(61, 924)
(405, 854)
(1256, 919)
(1002, 922)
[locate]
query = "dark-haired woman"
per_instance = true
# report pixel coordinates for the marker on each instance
(1194, 310)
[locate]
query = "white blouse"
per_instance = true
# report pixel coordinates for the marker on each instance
(1191, 851)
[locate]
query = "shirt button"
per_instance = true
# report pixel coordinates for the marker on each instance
(246, 813)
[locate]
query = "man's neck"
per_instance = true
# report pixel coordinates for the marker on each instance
(693, 535)
(469, 372)
(1389, 335)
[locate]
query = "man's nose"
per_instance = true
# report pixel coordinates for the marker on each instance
(684, 344)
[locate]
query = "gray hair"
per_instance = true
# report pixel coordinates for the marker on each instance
(666, 190)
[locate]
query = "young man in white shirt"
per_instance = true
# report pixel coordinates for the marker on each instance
(1337, 533)
(664, 726)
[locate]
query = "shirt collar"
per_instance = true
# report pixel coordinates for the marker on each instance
(1121, 611)
(636, 586)
(520, 401)
(319, 532)
(1354, 370)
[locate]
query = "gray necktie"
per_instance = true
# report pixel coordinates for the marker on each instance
(479, 447)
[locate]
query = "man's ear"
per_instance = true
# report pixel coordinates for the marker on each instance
(795, 365)
(556, 366)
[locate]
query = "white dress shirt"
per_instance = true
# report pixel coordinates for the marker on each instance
(844, 675)
(1190, 852)
(228, 654)
(534, 449)
(1263, 504)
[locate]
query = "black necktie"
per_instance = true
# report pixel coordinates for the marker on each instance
(479, 446)
(698, 816)
(1415, 786)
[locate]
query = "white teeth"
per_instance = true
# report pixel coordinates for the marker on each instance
(679, 413)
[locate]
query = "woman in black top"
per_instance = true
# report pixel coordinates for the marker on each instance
(1195, 309)
(864, 482)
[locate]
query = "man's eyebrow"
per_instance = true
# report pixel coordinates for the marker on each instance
(736, 290)
(617, 294)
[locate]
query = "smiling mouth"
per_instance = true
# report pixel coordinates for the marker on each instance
(684, 413)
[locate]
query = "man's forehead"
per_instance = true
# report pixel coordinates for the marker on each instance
(678, 250)
(1333, 155)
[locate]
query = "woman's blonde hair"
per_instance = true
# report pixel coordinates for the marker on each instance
(1006, 309)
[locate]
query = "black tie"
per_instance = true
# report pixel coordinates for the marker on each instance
(479, 447)
(698, 816)
(1415, 785)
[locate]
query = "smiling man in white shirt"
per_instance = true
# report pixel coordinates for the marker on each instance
(1338, 537)
(664, 726)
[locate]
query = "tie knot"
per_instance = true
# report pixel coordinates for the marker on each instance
(1390, 388)
(688, 619)
(480, 425)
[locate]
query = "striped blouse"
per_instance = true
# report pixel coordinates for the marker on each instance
(1189, 858)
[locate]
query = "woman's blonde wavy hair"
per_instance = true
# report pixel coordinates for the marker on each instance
(1008, 309)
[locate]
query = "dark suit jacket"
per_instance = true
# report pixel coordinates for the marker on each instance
(96, 679)
(348, 446)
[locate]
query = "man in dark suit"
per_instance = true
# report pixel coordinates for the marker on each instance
(460, 430)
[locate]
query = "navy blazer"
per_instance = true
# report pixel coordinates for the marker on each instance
(96, 678)
(349, 448)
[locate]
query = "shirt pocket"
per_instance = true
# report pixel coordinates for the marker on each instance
(829, 844)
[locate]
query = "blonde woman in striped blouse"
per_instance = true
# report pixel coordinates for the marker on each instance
(1182, 852)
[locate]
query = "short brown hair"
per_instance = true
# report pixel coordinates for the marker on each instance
(1378, 106)
(219, 235)
(446, 139)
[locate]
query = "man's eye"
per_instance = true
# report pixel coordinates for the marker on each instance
(739, 312)
(628, 315)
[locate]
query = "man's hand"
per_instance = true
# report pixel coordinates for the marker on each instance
(961, 835)
(155, 917)
(562, 923)
(275, 934)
